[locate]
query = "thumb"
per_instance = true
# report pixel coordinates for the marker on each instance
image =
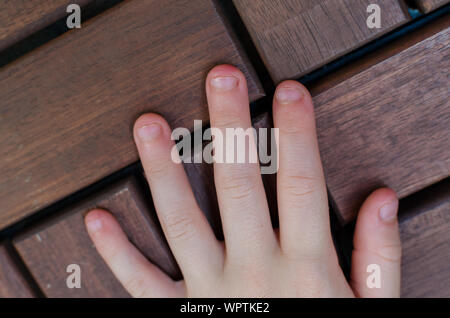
(377, 248)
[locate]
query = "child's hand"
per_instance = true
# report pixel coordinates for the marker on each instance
(299, 260)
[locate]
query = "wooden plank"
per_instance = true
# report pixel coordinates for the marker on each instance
(19, 19)
(49, 248)
(296, 37)
(425, 234)
(388, 124)
(429, 5)
(12, 282)
(68, 108)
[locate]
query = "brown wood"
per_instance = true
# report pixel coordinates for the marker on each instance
(67, 109)
(12, 282)
(49, 248)
(429, 5)
(387, 125)
(295, 37)
(20, 18)
(425, 234)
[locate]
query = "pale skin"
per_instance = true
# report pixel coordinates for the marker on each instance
(297, 260)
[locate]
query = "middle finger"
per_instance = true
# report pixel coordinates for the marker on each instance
(242, 200)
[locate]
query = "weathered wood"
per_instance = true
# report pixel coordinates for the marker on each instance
(20, 18)
(50, 247)
(12, 282)
(425, 234)
(295, 37)
(67, 109)
(388, 124)
(429, 5)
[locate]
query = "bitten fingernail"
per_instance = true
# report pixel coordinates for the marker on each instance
(388, 212)
(149, 132)
(288, 95)
(224, 82)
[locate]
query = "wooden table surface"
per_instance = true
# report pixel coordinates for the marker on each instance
(67, 109)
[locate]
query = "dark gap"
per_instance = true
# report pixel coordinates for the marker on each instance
(26, 274)
(341, 238)
(426, 198)
(411, 4)
(52, 31)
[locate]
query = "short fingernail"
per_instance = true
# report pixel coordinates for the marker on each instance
(94, 225)
(288, 95)
(388, 212)
(225, 83)
(149, 132)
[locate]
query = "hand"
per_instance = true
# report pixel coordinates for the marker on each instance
(299, 260)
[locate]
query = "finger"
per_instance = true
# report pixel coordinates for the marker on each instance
(242, 200)
(377, 247)
(301, 190)
(188, 233)
(138, 276)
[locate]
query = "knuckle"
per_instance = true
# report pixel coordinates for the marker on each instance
(135, 286)
(298, 185)
(292, 126)
(224, 120)
(157, 169)
(238, 187)
(390, 253)
(178, 224)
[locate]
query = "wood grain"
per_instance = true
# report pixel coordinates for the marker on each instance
(49, 248)
(67, 109)
(387, 125)
(425, 234)
(12, 283)
(20, 18)
(429, 5)
(296, 37)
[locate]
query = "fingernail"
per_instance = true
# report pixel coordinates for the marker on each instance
(225, 82)
(94, 225)
(149, 132)
(288, 95)
(388, 212)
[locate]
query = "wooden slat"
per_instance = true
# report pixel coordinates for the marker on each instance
(20, 18)
(387, 125)
(425, 234)
(12, 283)
(67, 109)
(49, 248)
(429, 5)
(296, 37)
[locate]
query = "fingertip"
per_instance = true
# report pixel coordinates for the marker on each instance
(225, 70)
(225, 77)
(382, 204)
(292, 92)
(95, 220)
(149, 127)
